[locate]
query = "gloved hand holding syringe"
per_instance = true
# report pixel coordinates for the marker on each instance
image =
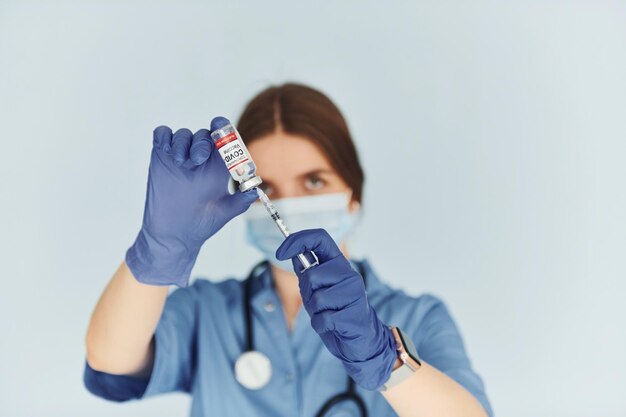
(242, 169)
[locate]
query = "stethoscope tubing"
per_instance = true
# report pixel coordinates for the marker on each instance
(349, 395)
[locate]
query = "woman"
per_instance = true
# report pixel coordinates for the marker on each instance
(340, 354)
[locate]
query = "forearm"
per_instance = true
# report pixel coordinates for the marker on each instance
(429, 392)
(123, 323)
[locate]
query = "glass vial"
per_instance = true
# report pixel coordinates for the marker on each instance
(233, 151)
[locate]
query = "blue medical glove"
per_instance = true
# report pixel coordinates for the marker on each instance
(334, 295)
(187, 202)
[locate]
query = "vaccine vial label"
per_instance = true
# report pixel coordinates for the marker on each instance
(232, 151)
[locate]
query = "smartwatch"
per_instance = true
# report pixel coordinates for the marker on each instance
(408, 356)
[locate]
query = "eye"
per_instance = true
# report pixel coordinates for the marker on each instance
(314, 182)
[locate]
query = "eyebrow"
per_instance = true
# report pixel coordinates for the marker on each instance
(306, 174)
(315, 171)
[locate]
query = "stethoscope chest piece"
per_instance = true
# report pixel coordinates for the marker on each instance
(253, 369)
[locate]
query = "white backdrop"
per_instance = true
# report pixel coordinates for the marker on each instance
(493, 138)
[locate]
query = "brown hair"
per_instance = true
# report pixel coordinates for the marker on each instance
(301, 110)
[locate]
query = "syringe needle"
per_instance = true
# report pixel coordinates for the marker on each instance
(267, 203)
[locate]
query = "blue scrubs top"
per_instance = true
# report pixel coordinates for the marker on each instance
(201, 333)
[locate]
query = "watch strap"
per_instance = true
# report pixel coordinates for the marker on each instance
(409, 364)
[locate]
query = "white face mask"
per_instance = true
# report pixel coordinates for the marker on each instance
(325, 211)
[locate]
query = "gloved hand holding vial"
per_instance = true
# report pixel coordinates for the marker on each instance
(242, 169)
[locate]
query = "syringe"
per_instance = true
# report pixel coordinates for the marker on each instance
(267, 203)
(242, 169)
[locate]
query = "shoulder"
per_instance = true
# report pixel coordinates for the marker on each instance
(409, 312)
(224, 286)
(386, 297)
(203, 289)
(425, 318)
(413, 314)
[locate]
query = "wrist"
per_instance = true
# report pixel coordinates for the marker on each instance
(397, 364)
(407, 354)
(372, 373)
(159, 262)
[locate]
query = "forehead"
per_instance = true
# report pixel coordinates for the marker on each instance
(282, 154)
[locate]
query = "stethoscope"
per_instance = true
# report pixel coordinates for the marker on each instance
(253, 369)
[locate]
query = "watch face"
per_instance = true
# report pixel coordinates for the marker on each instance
(408, 345)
